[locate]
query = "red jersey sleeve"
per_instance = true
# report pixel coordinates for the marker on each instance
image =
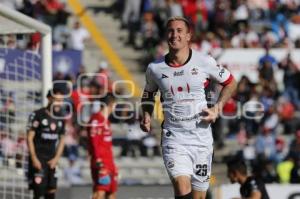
(95, 131)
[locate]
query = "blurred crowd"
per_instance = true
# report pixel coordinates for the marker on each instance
(54, 14)
(217, 24)
(265, 121)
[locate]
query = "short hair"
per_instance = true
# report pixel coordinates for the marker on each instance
(55, 91)
(237, 165)
(179, 18)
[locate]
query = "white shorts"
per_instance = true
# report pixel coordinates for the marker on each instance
(189, 160)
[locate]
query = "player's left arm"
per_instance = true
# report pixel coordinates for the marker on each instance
(226, 79)
(226, 94)
(60, 148)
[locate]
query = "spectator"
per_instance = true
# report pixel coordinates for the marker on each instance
(174, 8)
(130, 19)
(268, 173)
(149, 31)
(103, 78)
(265, 145)
(295, 173)
(284, 169)
(61, 32)
(52, 8)
(294, 151)
(78, 37)
(240, 14)
(134, 139)
(73, 172)
(267, 58)
(290, 80)
(71, 141)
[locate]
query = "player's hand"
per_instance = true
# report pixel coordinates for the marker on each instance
(210, 114)
(37, 164)
(146, 122)
(52, 163)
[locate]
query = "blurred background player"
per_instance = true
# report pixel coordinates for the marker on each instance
(45, 129)
(103, 169)
(187, 141)
(251, 187)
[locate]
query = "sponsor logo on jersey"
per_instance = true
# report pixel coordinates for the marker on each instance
(49, 136)
(178, 73)
(164, 76)
(45, 122)
(194, 71)
(168, 133)
(53, 126)
(221, 72)
(170, 164)
(178, 119)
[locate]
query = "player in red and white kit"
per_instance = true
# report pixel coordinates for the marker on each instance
(103, 169)
(181, 77)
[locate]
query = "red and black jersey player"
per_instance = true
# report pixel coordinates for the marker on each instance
(45, 137)
(103, 169)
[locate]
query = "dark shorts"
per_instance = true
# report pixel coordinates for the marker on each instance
(109, 188)
(41, 181)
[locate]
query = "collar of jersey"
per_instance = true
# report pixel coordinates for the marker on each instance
(178, 65)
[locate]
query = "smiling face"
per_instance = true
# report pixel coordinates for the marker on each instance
(178, 35)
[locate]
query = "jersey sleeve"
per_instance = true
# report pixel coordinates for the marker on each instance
(218, 72)
(95, 136)
(33, 122)
(151, 85)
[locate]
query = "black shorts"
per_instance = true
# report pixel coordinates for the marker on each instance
(41, 181)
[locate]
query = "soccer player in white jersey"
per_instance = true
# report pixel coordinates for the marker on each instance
(181, 77)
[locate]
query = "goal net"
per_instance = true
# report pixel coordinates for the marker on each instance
(24, 79)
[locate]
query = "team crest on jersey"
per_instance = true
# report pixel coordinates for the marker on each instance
(45, 122)
(194, 71)
(168, 133)
(53, 126)
(178, 73)
(170, 164)
(164, 76)
(35, 124)
(38, 180)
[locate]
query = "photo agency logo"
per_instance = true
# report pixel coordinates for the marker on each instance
(89, 94)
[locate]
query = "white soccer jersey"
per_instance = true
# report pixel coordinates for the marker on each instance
(183, 95)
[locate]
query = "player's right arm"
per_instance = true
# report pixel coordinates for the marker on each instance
(94, 136)
(147, 102)
(33, 123)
